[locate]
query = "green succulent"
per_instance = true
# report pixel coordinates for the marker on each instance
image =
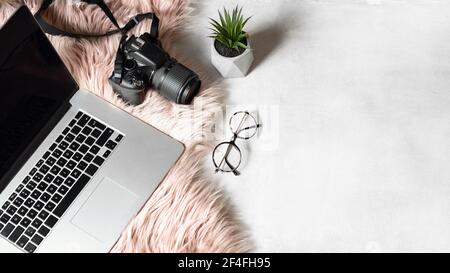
(230, 30)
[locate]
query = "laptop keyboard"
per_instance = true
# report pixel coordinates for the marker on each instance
(56, 180)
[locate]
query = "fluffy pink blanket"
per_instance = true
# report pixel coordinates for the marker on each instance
(187, 213)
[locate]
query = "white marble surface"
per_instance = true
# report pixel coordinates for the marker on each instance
(357, 158)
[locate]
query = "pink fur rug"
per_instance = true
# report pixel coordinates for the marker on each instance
(187, 213)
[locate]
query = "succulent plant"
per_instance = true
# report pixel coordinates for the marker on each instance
(230, 29)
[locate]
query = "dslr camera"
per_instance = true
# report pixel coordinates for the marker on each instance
(142, 63)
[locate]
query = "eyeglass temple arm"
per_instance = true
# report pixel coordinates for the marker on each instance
(248, 128)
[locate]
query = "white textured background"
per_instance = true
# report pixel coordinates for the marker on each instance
(363, 155)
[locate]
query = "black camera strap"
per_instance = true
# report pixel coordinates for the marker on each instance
(52, 30)
(120, 57)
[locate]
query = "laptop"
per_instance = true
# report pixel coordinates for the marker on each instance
(74, 169)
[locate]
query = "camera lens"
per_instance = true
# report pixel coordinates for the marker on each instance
(177, 82)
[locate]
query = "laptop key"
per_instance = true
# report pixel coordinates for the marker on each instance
(33, 171)
(94, 149)
(65, 131)
(36, 194)
(12, 196)
(75, 130)
(58, 180)
(52, 147)
(119, 138)
(83, 120)
(16, 219)
(57, 153)
(90, 141)
(72, 122)
(78, 115)
(19, 188)
(7, 230)
(56, 198)
(97, 124)
(63, 189)
(64, 173)
(77, 156)
(37, 239)
(55, 170)
(71, 195)
(32, 214)
(91, 169)
(38, 177)
(44, 231)
(30, 231)
(50, 161)
(18, 202)
(96, 133)
(110, 144)
(51, 221)
(84, 148)
(26, 179)
(51, 189)
(82, 165)
(80, 138)
(50, 206)
(22, 241)
(71, 164)
(24, 193)
(22, 211)
(31, 186)
(61, 162)
(88, 157)
(69, 181)
(43, 215)
(63, 145)
(6, 205)
(42, 186)
(44, 169)
(58, 140)
(98, 160)
(25, 222)
(47, 154)
(29, 203)
(45, 197)
(49, 178)
(40, 162)
(74, 146)
(68, 154)
(11, 210)
(38, 206)
(5, 218)
(75, 173)
(86, 130)
(16, 234)
(30, 248)
(36, 223)
(104, 137)
(69, 137)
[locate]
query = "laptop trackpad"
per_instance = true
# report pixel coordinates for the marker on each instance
(107, 211)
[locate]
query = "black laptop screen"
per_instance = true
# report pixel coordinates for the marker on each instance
(34, 83)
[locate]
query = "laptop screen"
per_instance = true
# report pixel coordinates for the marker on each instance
(34, 84)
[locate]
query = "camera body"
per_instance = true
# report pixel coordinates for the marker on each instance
(143, 63)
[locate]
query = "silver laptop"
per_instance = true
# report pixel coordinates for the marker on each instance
(74, 169)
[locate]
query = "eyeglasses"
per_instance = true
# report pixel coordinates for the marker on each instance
(227, 156)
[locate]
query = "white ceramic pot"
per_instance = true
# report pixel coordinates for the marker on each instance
(232, 67)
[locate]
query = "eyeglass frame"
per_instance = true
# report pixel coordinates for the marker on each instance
(232, 143)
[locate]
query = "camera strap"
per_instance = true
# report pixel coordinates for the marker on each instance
(52, 30)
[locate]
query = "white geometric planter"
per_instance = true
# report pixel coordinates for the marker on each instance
(232, 67)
